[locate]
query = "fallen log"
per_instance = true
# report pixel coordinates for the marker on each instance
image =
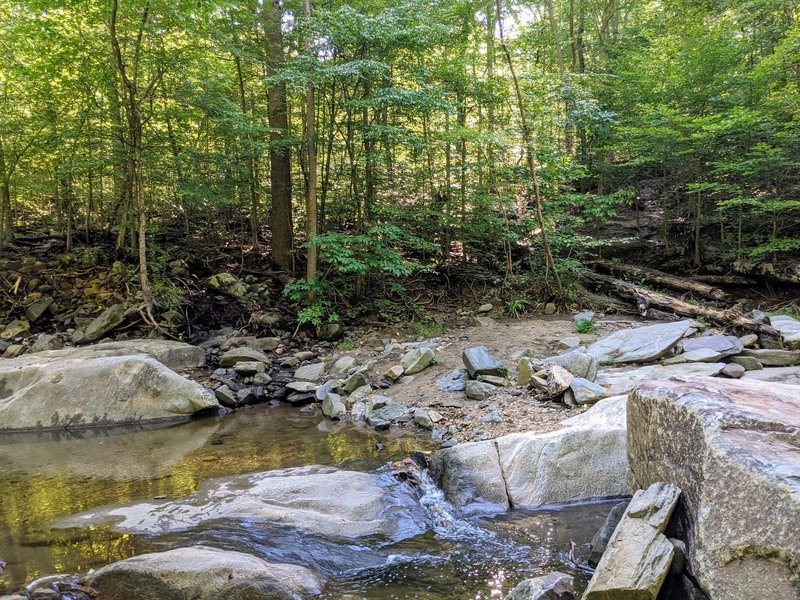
(725, 279)
(645, 298)
(663, 279)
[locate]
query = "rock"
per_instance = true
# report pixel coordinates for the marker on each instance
(249, 367)
(553, 380)
(360, 393)
(330, 331)
(312, 372)
(35, 311)
(454, 382)
(699, 355)
(569, 342)
(775, 358)
(355, 381)
(479, 361)
(255, 589)
(304, 355)
(478, 390)
(525, 371)
(553, 586)
(471, 478)
(422, 418)
(243, 354)
(358, 412)
(226, 396)
(585, 459)
(759, 315)
(485, 308)
(732, 447)
(391, 412)
(600, 539)
(416, 360)
(109, 320)
(622, 381)
(15, 328)
(484, 321)
(343, 364)
(302, 386)
(580, 364)
(550, 308)
(748, 362)
(395, 373)
(641, 344)
(248, 395)
(41, 393)
(266, 344)
(172, 354)
(788, 326)
(586, 392)
(198, 572)
(330, 502)
(228, 284)
(585, 316)
(749, 340)
(788, 375)
(13, 351)
(724, 345)
(46, 342)
(733, 370)
(638, 557)
(493, 416)
(333, 407)
(325, 389)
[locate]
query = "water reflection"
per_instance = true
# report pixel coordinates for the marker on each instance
(45, 476)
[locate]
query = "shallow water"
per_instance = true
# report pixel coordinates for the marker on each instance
(46, 476)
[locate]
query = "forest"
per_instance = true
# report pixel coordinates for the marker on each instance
(351, 144)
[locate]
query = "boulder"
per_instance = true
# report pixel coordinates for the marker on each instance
(576, 362)
(622, 381)
(243, 354)
(249, 367)
(35, 311)
(600, 540)
(733, 370)
(641, 344)
(355, 381)
(395, 373)
(553, 586)
(90, 392)
(199, 572)
(552, 380)
(335, 503)
(789, 328)
(581, 317)
(417, 360)
(769, 357)
(228, 284)
(586, 392)
(109, 320)
(789, 375)
(333, 407)
(312, 372)
(479, 361)
(172, 354)
(478, 390)
(15, 328)
(586, 459)
(724, 345)
(343, 364)
(748, 362)
(637, 559)
(732, 447)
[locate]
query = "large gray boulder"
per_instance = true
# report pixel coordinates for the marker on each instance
(789, 328)
(733, 448)
(577, 362)
(91, 392)
(622, 381)
(638, 557)
(641, 344)
(175, 355)
(200, 572)
(319, 500)
(586, 459)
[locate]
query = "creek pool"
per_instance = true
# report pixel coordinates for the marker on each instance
(47, 476)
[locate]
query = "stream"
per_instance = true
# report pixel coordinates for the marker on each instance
(44, 477)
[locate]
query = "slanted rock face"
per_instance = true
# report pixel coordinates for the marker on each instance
(318, 500)
(87, 392)
(586, 459)
(733, 448)
(200, 572)
(175, 355)
(641, 344)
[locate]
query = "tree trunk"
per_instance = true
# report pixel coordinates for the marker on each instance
(279, 152)
(311, 167)
(6, 224)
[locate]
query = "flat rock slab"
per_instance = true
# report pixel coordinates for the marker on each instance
(198, 572)
(769, 357)
(733, 448)
(642, 344)
(109, 320)
(319, 500)
(622, 381)
(586, 459)
(243, 354)
(94, 392)
(638, 555)
(788, 375)
(311, 373)
(789, 328)
(724, 345)
(553, 586)
(479, 361)
(172, 354)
